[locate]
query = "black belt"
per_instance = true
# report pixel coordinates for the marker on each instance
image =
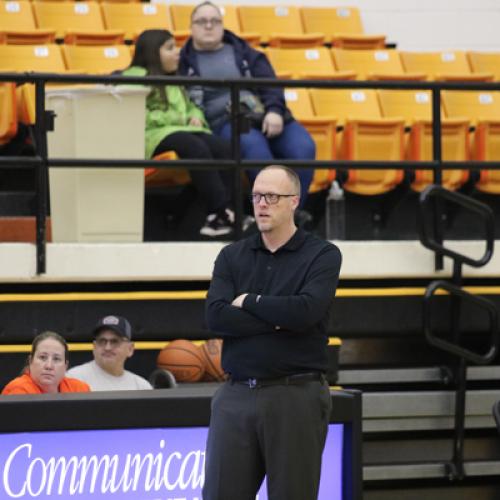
(296, 379)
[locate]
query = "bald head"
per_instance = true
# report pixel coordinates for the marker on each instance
(290, 174)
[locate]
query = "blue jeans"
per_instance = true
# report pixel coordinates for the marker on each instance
(294, 143)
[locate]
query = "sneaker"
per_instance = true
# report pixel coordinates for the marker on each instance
(218, 224)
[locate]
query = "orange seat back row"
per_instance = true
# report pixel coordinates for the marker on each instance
(279, 26)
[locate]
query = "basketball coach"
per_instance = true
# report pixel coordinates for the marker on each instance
(270, 298)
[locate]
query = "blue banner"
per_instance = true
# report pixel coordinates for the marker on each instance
(130, 464)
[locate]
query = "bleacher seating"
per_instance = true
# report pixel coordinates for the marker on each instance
(75, 22)
(373, 64)
(279, 26)
(445, 65)
(166, 176)
(322, 130)
(133, 18)
(181, 22)
(17, 24)
(366, 136)
(342, 27)
(415, 107)
(97, 59)
(485, 62)
(41, 58)
(313, 63)
(483, 110)
(8, 114)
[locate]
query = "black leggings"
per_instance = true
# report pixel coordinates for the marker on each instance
(213, 185)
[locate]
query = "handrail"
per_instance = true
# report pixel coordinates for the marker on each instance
(454, 347)
(43, 162)
(431, 198)
(31, 161)
(33, 77)
(431, 194)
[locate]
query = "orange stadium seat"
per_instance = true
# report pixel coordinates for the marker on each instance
(313, 63)
(322, 129)
(366, 136)
(485, 62)
(483, 109)
(416, 109)
(373, 64)
(181, 20)
(279, 26)
(8, 111)
(134, 18)
(446, 65)
(76, 22)
(17, 24)
(166, 176)
(42, 58)
(98, 59)
(342, 27)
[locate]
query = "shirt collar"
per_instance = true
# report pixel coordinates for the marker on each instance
(294, 243)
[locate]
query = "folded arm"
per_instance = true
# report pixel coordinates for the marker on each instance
(309, 305)
(223, 317)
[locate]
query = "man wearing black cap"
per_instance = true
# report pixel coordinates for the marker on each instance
(112, 347)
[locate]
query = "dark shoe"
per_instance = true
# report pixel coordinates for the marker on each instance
(218, 224)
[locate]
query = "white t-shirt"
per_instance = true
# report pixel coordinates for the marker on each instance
(100, 380)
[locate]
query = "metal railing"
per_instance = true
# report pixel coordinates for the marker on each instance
(42, 161)
(455, 468)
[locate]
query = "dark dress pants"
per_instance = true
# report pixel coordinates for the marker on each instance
(277, 430)
(214, 186)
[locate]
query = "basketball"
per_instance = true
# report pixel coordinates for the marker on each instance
(211, 354)
(183, 359)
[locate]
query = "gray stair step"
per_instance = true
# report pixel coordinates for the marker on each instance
(425, 410)
(411, 375)
(426, 471)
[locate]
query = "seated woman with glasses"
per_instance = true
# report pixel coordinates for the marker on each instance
(175, 123)
(46, 369)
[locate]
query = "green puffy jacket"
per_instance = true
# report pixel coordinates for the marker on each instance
(162, 120)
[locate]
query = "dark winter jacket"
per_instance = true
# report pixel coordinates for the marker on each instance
(252, 64)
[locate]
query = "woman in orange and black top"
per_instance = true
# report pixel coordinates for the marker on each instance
(46, 369)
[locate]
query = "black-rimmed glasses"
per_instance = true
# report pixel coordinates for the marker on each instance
(271, 198)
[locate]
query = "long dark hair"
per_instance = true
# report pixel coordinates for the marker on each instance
(147, 55)
(147, 50)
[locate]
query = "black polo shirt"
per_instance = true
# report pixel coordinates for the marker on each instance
(281, 328)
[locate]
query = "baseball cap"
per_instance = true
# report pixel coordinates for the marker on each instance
(117, 324)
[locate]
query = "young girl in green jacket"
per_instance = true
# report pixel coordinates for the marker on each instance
(174, 123)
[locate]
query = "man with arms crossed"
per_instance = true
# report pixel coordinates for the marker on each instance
(112, 347)
(270, 299)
